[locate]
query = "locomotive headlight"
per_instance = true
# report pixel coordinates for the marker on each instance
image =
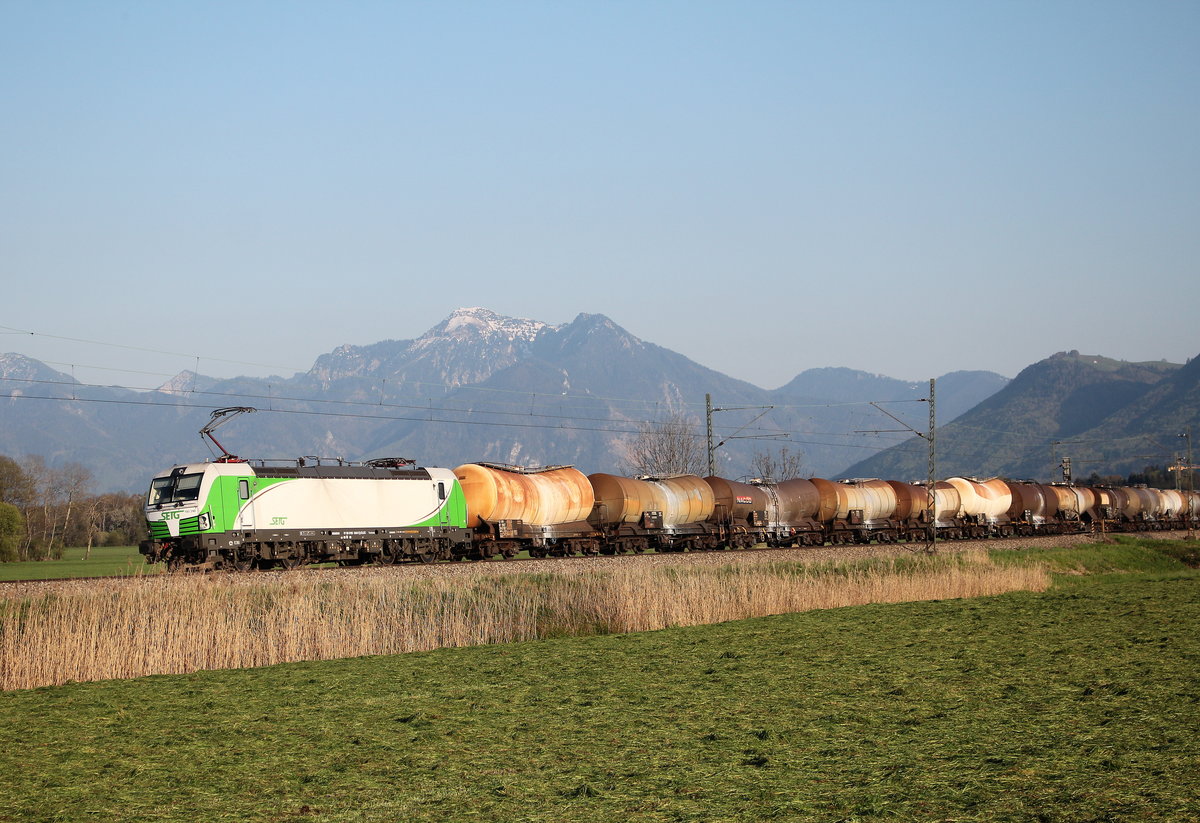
(205, 521)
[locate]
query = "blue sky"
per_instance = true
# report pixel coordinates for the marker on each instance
(905, 188)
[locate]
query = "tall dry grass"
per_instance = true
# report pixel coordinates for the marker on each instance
(176, 625)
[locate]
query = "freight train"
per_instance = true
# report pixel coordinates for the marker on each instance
(237, 514)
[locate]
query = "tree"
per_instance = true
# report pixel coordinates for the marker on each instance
(120, 519)
(12, 526)
(69, 485)
(668, 447)
(778, 467)
(48, 499)
(16, 486)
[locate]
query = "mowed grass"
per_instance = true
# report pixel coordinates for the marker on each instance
(1081, 703)
(104, 561)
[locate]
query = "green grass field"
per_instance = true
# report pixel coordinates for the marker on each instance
(105, 561)
(1078, 704)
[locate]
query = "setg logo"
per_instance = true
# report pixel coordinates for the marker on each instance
(170, 515)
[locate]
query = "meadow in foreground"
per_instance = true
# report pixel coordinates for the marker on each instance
(1076, 704)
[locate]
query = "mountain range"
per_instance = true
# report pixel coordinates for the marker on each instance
(1108, 416)
(481, 386)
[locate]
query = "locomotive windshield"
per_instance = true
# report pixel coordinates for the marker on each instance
(178, 488)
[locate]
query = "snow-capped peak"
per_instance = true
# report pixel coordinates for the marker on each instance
(480, 322)
(181, 383)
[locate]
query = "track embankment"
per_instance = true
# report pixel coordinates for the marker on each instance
(574, 565)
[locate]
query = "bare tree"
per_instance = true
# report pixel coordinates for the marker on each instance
(670, 446)
(784, 465)
(50, 508)
(70, 484)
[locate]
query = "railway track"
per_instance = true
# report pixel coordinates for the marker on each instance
(16, 589)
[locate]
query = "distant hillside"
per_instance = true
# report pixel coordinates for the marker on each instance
(477, 386)
(1108, 415)
(957, 391)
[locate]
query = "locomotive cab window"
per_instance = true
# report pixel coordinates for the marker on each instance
(244, 489)
(178, 488)
(441, 491)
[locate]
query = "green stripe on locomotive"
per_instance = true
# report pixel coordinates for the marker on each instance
(453, 511)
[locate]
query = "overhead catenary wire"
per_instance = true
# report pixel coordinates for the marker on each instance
(273, 397)
(618, 427)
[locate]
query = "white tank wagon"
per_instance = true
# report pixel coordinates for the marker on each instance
(946, 508)
(983, 506)
(865, 509)
(240, 514)
(1173, 503)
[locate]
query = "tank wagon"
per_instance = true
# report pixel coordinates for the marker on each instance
(511, 508)
(663, 513)
(761, 511)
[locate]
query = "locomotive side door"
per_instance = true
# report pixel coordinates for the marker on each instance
(439, 489)
(245, 518)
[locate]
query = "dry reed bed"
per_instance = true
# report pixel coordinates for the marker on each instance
(21, 589)
(166, 625)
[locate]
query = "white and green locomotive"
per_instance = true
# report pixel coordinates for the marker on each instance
(236, 514)
(232, 513)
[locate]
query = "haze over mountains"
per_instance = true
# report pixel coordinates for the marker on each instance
(480, 386)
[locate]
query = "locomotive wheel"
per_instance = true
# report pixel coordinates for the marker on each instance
(241, 563)
(288, 563)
